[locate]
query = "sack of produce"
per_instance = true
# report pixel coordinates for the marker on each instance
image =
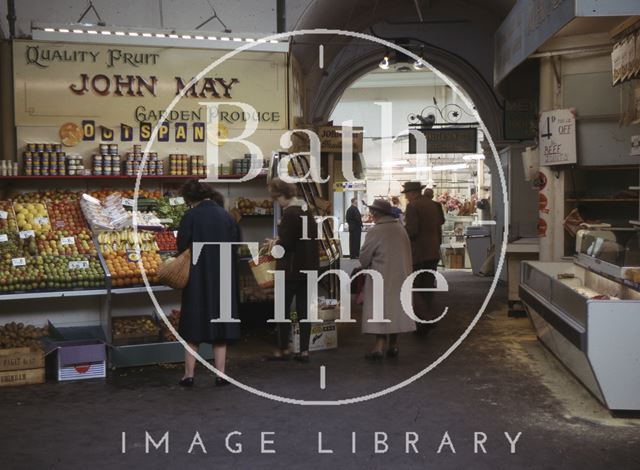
(266, 263)
(174, 272)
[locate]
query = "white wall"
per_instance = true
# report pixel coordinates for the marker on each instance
(358, 105)
(256, 16)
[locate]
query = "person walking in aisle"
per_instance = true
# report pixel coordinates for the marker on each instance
(301, 254)
(354, 221)
(397, 209)
(423, 222)
(387, 250)
(205, 221)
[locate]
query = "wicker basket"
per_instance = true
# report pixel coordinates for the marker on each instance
(174, 272)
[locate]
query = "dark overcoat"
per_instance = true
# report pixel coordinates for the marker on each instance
(207, 222)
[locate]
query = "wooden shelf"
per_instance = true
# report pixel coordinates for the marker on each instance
(94, 177)
(120, 177)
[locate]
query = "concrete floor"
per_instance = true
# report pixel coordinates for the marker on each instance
(499, 380)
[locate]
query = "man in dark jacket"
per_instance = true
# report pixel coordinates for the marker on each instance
(354, 220)
(423, 221)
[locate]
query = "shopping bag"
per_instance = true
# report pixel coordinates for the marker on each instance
(261, 269)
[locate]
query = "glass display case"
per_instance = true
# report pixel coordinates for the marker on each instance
(587, 312)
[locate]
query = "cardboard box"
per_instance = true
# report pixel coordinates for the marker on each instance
(77, 359)
(323, 336)
(76, 353)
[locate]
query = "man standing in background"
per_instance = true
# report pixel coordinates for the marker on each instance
(354, 221)
(423, 221)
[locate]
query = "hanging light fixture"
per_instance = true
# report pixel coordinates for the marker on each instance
(419, 63)
(385, 62)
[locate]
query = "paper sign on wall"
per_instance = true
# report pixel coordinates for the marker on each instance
(557, 137)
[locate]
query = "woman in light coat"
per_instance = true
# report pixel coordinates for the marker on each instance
(386, 249)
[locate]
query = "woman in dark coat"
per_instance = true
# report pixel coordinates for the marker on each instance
(206, 221)
(300, 255)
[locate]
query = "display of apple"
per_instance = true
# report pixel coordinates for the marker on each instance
(66, 243)
(7, 218)
(32, 216)
(67, 215)
(51, 272)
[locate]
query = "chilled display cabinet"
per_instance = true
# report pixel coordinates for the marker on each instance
(587, 312)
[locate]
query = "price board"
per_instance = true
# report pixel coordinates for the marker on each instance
(557, 138)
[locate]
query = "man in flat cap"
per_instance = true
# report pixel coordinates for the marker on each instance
(423, 222)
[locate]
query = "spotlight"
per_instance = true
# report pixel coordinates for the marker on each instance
(385, 63)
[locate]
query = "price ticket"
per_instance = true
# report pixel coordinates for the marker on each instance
(127, 202)
(41, 220)
(18, 262)
(176, 201)
(4, 238)
(78, 264)
(27, 234)
(4, 214)
(68, 241)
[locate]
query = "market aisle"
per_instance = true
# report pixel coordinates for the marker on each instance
(500, 380)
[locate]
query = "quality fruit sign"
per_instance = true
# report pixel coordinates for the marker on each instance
(557, 137)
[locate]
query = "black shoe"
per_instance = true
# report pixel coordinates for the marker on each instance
(220, 382)
(393, 352)
(187, 382)
(374, 356)
(304, 358)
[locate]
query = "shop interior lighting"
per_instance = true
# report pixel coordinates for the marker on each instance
(385, 62)
(148, 37)
(455, 166)
(475, 156)
(412, 169)
(395, 163)
(419, 63)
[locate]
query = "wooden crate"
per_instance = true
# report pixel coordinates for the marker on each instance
(21, 366)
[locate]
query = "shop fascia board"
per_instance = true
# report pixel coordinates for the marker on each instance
(517, 27)
(91, 34)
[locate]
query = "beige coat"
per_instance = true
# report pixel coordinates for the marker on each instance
(387, 249)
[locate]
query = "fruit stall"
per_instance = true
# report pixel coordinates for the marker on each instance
(68, 258)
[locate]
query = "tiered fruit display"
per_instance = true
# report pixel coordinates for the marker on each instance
(8, 222)
(66, 215)
(19, 335)
(254, 207)
(32, 216)
(166, 241)
(125, 240)
(66, 242)
(50, 272)
(125, 270)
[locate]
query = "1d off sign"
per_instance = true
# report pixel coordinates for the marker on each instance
(557, 137)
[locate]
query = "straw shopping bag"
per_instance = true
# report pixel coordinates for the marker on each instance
(266, 263)
(174, 272)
